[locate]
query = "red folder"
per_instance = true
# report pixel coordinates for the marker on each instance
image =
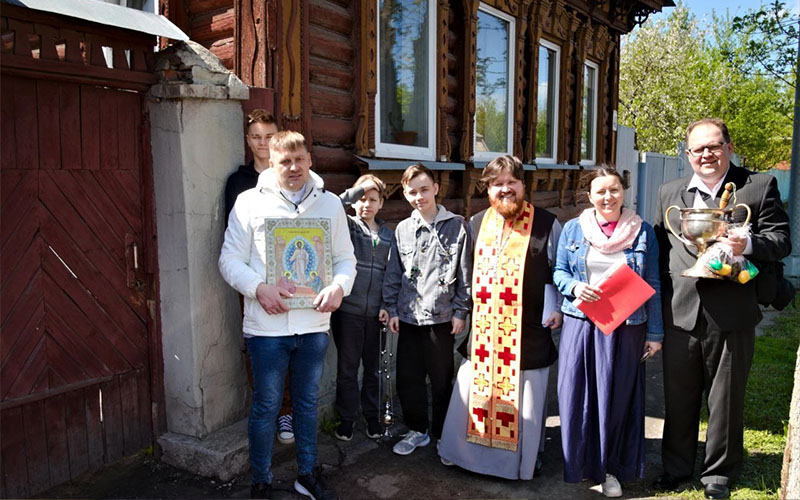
(623, 292)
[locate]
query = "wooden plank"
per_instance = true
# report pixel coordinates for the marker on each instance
(94, 427)
(57, 453)
(108, 206)
(131, 436)
(32, 377)
(109, 129)
(15, 467)
(122, 187)
(18, 221)
(36, 446)
(8, 146)
(331, 46)
(145, 407)
(121, 329)
(27, 314)
(332, 130)
(71, 327)
(325, 73)
(331, 16)
(25, 127)
(213, 26)
(70, 116)
(128, 106)
(330, 102)
(15, 284)
(47, 114)
(77, 446)
(77, 73)
(64, 368)
(112, 420)
(90, 128)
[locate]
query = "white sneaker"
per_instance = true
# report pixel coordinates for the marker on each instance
(285, 429)
(446, 462)
(410, 443)
(612, 488)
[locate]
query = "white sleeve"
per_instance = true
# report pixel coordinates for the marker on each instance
(234, 259)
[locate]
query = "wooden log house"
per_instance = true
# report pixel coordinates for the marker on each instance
(379, 84)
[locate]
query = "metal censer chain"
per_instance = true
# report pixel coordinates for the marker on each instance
(385, 396)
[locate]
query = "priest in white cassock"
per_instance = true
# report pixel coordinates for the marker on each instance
(496, 419)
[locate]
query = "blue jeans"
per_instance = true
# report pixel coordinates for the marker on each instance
(270, 357)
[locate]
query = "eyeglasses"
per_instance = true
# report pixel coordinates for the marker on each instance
(714, 149)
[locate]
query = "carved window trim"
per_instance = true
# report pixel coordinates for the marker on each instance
(388, 150)
(549, 160)
(593, 117)
(511, 87)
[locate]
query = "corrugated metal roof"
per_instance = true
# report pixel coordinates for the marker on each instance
(107, 14)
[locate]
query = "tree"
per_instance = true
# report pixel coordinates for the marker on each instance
(673, 72)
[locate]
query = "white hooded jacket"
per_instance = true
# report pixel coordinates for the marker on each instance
(242, 261)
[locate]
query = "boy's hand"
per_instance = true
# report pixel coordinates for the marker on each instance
(383, 316)
(554, 321)
(369, 184)
(269, 296)
(329, 299)
(394, 324)
(458, 325)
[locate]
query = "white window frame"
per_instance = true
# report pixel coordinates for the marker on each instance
(389, 150)
(512, 34)
(593, 146)
(557, 49)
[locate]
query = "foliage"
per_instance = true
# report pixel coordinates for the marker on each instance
(768, 396)
(674, 71)
(491, 122)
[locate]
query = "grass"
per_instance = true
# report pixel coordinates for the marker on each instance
(766, 412)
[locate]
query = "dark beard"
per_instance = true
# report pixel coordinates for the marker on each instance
(508, 211)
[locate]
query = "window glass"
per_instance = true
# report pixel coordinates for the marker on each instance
(494, 76)
(589, 111)
(546, 124)
(404, 101)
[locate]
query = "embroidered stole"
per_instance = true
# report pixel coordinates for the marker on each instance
(499, 263)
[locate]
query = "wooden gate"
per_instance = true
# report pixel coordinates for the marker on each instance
(79, 357)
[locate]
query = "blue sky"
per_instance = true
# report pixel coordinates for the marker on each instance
(703, 8)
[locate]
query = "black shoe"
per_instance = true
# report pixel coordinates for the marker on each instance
(374, 429)
(344, 431)
(261, 490)
(668, 482)
(537, 469)
(313, 486)
(717, 491)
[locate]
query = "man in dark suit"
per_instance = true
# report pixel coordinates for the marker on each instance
(710, 324)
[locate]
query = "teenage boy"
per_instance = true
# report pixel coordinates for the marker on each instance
(426, 292)
(260, 126)
(356, 324)
(279, 338)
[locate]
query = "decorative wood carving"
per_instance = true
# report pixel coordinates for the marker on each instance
(469, 77)
(584, 40)
(569, 90)
(443, 149)
(254, 36)
(368, 71)
(295, 110)
(521, 80)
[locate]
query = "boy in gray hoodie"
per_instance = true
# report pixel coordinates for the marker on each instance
(426, 291)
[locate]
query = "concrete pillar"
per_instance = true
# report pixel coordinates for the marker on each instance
(196, 138)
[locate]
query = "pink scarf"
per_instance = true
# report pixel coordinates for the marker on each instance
(624, 235)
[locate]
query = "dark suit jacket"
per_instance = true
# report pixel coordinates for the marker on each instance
(727, 305)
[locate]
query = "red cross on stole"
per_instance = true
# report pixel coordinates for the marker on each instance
(496, 329)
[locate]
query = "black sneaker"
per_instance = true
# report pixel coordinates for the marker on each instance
(344, 431)
(261, 490)
(313, 486)
(374, 429)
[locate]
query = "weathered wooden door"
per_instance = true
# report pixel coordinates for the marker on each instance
(75, 275)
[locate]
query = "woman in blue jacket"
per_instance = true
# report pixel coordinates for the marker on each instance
(601, 381)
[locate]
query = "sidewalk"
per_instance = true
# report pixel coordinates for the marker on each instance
(366, 469)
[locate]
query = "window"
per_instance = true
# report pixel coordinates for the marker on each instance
(494, 87)
(405, 118)
(547, 103)
(589, 122)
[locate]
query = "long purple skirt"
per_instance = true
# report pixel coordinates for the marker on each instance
(601, 401)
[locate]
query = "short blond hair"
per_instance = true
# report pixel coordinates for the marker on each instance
(288, 140)
(379, 183)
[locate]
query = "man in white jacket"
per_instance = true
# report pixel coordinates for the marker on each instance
(280, 338)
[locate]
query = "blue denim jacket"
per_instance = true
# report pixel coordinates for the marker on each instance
(642, 257)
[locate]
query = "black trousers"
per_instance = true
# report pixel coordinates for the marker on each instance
(357, 341)
(716, 363)
(425, 351)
